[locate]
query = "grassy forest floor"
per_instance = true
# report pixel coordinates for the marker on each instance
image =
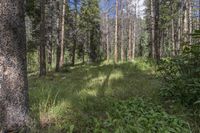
(69, 100)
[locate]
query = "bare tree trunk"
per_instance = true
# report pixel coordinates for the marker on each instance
(75, 36)
(13, 67)
(157, 31)
(62, 26)
(129, 34)
(122, 31)
(60, 48)
(152, 52)
(49, 32)
(190, 20)
(116, 33)
(107, 37)
(173, 38)
(185, 29)
(179, 29)
(42, 40)
(133, 41)
(133, 27)
(74, 51)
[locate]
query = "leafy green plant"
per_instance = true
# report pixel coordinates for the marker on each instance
(182, 75)
(137, 116)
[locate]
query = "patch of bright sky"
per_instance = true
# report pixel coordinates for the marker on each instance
(104, 5)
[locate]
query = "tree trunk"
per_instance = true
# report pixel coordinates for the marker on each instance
(179, 29)
(75, 35)
(133, 27)
(185, 29)
(116, 33)
(152, 18)
(61, 29)
(190, 20)
(122, 31)
(157, 31)
(173, 38)
(42, 40)
(107, 37)
(133, 40)
(49, 32)
(74, 51)
(129, 37)
(13, 68)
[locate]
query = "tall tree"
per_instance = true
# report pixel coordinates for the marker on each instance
(157, 30)
(90, 18)
(75, 36)
(129, 30)
(43, 39)
(13, 73)
(122, 30)
(107, 37)
(116, 32)
(61, 29)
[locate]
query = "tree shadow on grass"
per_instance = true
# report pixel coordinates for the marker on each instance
(85, 91)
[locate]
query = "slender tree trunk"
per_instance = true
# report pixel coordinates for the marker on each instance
(75, 36)
(122, 31)
(133, 40)
(107, 37)
(199, 16)
(129, 35)
(42, 40)
(60, 47)
(152, 54)
(190, 20)
(74, 51)
(179, 29)
(173, 38)
(116, 33)
(13, 67)
(49, 32)
(62, 26)
(133, 27)
(157, 31)
(185, 29)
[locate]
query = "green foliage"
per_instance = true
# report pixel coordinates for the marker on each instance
(137, 116)
(72, 98)
(90, 24)
(32, 62)
(182, 74)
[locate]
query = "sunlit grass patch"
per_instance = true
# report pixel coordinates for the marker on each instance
(64, 101)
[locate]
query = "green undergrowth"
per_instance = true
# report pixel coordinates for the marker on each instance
(101, 98)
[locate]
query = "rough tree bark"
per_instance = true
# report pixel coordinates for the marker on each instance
(13, 73)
